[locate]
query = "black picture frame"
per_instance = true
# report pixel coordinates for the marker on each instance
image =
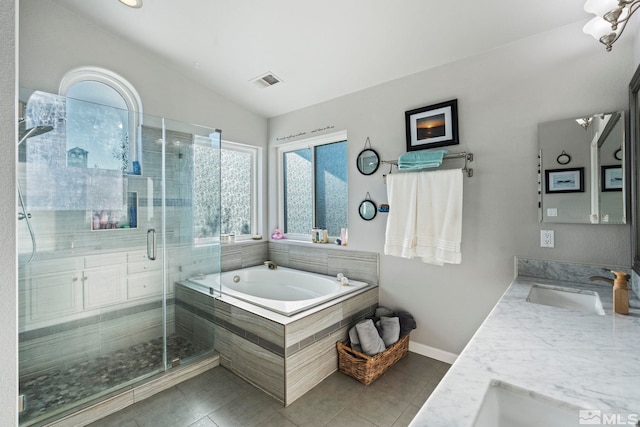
(611, 178)
(432, 126)
(569, 180)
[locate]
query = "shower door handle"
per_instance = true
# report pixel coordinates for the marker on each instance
(151, 244)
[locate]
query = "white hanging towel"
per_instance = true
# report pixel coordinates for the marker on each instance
(400, 237)
(425, 216)
(439, 217)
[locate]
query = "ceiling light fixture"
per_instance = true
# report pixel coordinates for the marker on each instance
(132, 3)
(585, 122)
(611, 19)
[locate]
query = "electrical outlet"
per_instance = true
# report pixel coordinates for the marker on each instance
(546, 239)
(552, 212)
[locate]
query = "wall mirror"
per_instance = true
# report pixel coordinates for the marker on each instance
(368, 161)
(367, 209)
(634, 155)
(581, 170)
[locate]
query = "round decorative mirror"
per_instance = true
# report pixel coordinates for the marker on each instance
(368, 161)
(563, 158)
(367, 210)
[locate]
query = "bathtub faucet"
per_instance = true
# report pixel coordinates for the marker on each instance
(272, 265)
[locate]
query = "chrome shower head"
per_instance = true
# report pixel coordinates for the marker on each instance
(31, 132)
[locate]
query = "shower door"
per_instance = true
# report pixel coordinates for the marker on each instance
(107, 226)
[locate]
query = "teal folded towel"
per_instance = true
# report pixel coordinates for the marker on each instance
(421, 159)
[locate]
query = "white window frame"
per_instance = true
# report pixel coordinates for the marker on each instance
(120, 85)
(256, 179)
(325, 139)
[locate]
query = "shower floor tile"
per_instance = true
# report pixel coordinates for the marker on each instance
(60, 389)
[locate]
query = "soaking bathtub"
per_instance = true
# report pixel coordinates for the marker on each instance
(284, 290)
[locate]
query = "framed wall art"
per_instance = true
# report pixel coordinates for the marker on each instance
(612, 178)
(432, 126)
(564, 180)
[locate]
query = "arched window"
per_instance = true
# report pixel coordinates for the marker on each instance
(104, 114)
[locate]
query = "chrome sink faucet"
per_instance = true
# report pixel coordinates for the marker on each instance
(272, 265)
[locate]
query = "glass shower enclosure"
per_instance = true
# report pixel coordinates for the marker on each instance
(115, 207)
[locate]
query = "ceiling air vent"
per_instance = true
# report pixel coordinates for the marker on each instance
(266, 80)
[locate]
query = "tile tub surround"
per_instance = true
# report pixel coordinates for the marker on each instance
(315, 258)
(286, 356)
(587, 360)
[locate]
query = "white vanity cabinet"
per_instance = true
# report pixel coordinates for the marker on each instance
(71, 287)
(104, 280)
(144, 276)
(53, 289)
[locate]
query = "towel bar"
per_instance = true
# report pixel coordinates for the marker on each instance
(468, 157)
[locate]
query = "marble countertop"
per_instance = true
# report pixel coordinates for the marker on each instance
(586, 360)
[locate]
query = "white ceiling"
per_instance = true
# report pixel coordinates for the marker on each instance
(320, 50)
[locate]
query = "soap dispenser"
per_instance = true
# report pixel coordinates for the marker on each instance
(620, 292)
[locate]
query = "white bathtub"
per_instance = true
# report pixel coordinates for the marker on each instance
(283, 290)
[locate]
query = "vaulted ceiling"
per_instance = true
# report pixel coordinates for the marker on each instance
(319, 50)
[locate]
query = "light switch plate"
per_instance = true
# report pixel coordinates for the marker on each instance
(546, 239)
(552, 212)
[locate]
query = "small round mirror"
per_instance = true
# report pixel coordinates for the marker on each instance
(368, 161)
(367, 210)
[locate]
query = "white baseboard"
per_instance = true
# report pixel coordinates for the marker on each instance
(434, 353)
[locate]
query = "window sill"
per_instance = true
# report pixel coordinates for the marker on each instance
(300, 242)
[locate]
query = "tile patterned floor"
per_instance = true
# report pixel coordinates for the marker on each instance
(219, 398)
(61, 388)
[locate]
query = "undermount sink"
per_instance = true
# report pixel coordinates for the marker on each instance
(508, 405)
(572, 299)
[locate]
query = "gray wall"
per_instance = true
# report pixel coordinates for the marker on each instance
(502, 96)
(8, 252)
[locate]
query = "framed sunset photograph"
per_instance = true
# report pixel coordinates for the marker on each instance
(432, 126)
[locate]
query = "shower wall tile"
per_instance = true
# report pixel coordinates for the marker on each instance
(127, 331)
(40, 354)
(48, 348)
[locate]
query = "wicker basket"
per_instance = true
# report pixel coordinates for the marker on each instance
(367, 369)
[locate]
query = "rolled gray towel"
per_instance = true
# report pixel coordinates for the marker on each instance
(390, 330)
(383, 311)
(353, 337)
(370, 341)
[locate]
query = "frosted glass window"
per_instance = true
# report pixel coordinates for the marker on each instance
(298, 194)
(231, 207)
(237, 198)
(206, 191)
(331, 187)
(315, 188)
